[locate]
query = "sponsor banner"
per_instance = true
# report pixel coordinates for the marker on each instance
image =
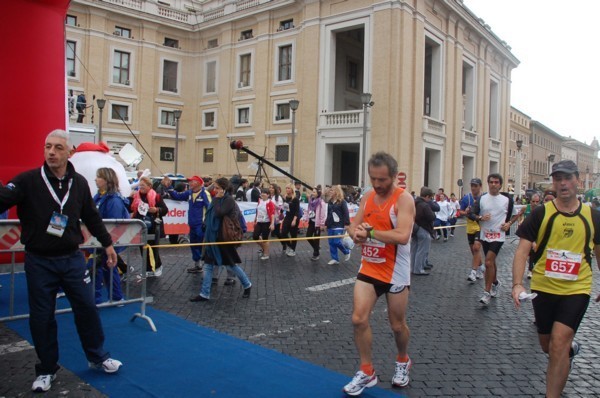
(175, 222)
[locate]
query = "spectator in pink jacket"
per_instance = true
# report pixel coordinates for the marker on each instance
(316, 216)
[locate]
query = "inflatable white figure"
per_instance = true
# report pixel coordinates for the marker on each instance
(89, 157)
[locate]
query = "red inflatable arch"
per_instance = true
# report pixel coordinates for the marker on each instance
(33, 99)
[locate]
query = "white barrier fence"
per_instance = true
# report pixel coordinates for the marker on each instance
(125, 233)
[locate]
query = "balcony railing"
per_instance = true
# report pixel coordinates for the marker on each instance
(433, 126)
(469, 137)
(341, 119)
(201, 14)
(495, 144)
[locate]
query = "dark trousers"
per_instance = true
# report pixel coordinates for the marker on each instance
(287, 229)
(314, 231)
(44, 276)
(196, 236)
(277, 233)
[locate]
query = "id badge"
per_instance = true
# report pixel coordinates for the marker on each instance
(57, 225)
(143, 208)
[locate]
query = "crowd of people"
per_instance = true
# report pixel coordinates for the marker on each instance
(558, 235)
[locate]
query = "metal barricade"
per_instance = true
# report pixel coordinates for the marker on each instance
(124, 233)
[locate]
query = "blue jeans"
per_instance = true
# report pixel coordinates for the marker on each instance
(103, 278)
(419, 250)
(208, 273)
(336, 243)
(196, 236)
(438, 223)
(44, 277)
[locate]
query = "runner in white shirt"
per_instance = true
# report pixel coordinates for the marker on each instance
(493, 211)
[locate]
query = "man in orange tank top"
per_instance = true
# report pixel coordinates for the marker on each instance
(383, 226)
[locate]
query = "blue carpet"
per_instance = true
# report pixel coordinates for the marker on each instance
(186, 360)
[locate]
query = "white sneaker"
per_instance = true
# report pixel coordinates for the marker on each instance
(401, 378)
(158, 272)
(108, 366)
(494, 290)
(333, 262)
(291, 253)
(486, 298)
(480, 272)
(264, 258)
(60, 295)
(347, 256)
(472, 276)
(43, 383)
(359, 382)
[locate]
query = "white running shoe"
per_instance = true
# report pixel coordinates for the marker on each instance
(480, 272)
(486, 298)
(472, 276)
(333, 262)
(401, 378)
(43, 383)
(158, 272)
(347, 257)
(263, 258)
(359, 382)
(291, 253)
(108, 366)
(494, 290)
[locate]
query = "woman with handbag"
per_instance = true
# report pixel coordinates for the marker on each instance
(110, 204)
(148, 206)
(222, 206)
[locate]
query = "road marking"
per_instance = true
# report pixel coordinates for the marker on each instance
(15, 347)
(331, 285)
(283, 331)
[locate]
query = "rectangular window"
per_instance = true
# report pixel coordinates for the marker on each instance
(285, 25)
(208, 156)
(123, 32)
(283, 112)
(169, 76)
(433, 79)
(167, 154)
(242, 156)
(246, 34)
(71, 51)
(282, 153)
(352, 82)
(121, 67)
(209, 119)
(120, 112)
(211, 77)
(171, 42)
(71, 20)
(285, 63)
(245, 70)
(243, 116)
(213, 43)
(167, 118)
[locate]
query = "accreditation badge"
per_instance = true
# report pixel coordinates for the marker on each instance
(57, 225)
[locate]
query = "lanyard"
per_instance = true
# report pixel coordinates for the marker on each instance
(54, 196)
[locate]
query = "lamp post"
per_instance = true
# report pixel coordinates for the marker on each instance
(177, 114)
(587, 179)
(519, 169)
(365, 98)
(101, 103)
(293, 106)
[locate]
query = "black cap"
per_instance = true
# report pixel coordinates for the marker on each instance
(564, 166)
(476, 181)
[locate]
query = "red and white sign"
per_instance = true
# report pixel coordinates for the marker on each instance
(402, 180)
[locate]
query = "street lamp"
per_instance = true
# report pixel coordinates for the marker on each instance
(365, 98)
(293, 106)
(550, 161)
(519, 169)
(177, 114)
(587, 178)
(101, 103)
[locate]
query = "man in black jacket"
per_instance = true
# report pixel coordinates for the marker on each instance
(50, 202)
(422, 231)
